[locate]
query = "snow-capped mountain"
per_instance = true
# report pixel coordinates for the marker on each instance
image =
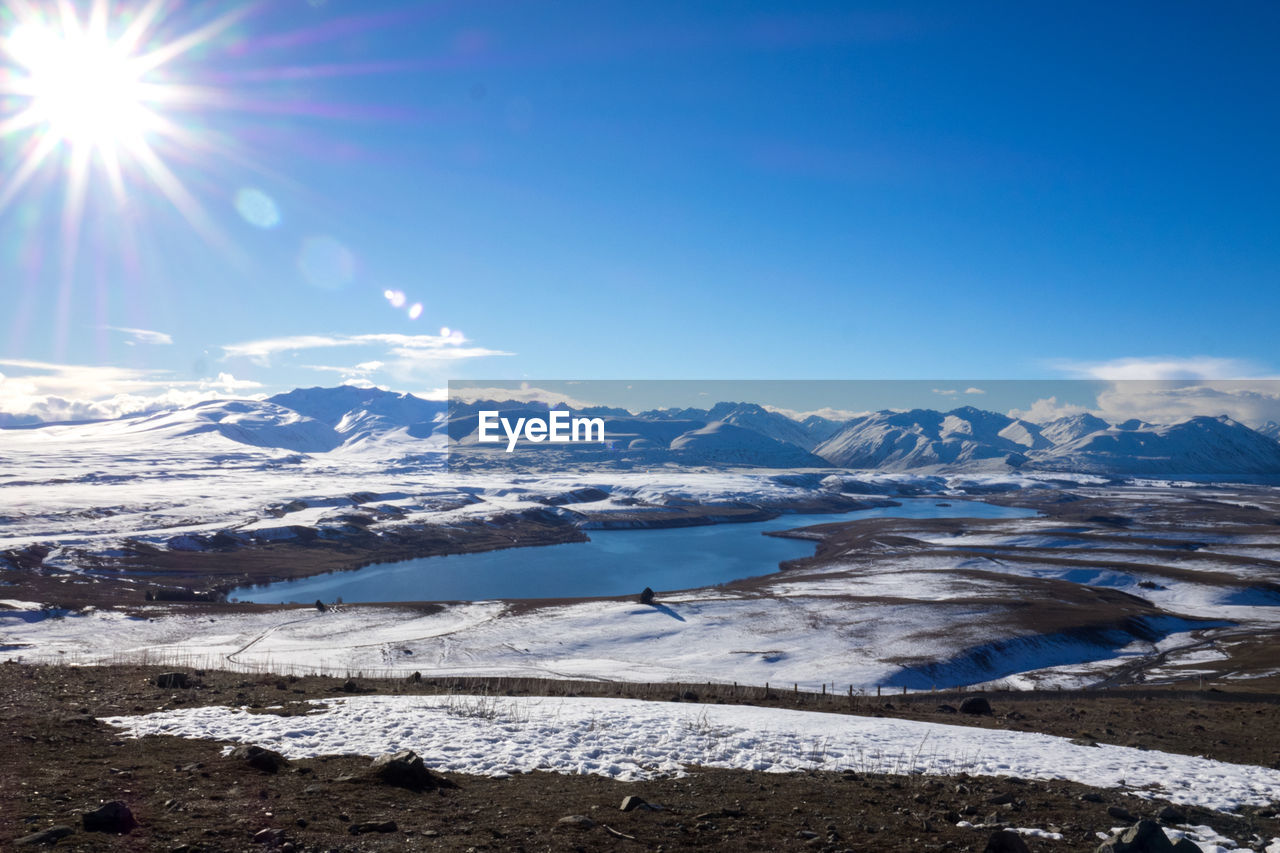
(1201, 445)
(725, 443)
(1067, 429)
(370, 421)
(358, 414)
(310, 420)
(924, 438)
(247, 422)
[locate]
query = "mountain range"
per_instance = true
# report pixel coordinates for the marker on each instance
(323, 420)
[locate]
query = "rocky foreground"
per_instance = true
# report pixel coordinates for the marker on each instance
(72, 781)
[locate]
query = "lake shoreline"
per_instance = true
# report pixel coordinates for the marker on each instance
(142, 573)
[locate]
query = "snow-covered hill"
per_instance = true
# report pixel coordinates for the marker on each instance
(246, 422)
(1072, 427)
(360, 414)
(923, 438)
(759, 419)
(1197, 446)
(724, 443)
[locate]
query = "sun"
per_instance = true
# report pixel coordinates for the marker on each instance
(86, 90)
(92, 90)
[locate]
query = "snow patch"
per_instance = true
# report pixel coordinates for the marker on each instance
(630, 739)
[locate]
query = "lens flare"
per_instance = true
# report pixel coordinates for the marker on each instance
(115, 112)
(96, 91)
(325, 263)
(83, 88)
(257, 208)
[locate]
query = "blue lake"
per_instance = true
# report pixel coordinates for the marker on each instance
(614, 562)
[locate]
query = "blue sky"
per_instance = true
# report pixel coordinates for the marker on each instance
(658, 190)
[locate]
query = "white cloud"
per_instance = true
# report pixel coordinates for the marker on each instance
(946, 392)
(262, 350)
(411, 349)
(827, 412)
(58, 392)
(434, 394)
(352, 374)
(1168, 389)
(1159, 367)
(1047, 409)
(1252, 402)
(974, 391)
(397, 359)
(142, 336)
(526, 393)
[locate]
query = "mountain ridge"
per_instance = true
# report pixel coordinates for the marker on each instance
(320, 420)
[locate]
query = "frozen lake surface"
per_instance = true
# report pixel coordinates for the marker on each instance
(614, 562)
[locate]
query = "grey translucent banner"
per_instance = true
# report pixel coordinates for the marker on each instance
(1157, 428)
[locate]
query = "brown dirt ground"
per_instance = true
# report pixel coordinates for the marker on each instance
(60, 761)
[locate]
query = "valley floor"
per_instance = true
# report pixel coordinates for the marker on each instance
(1144, 583)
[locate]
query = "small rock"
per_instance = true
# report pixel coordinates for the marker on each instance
(646, 597)
(631, 803)
(372, 826)
(1005, 841)
(1121, 813)
(1145, 836)
(173, 680)
(1169, 814)
(1000, 799)
(405, 769)
(1091, 797)
(114, 816)
(259, 758)
(576, 821)
(1186, 845)
(268, 836)
(947, 709)
(45, 836)
(975, 705)
(349, 686)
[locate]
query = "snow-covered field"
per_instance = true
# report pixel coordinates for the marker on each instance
(806, 639)
(915, 615)
(632, 739)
